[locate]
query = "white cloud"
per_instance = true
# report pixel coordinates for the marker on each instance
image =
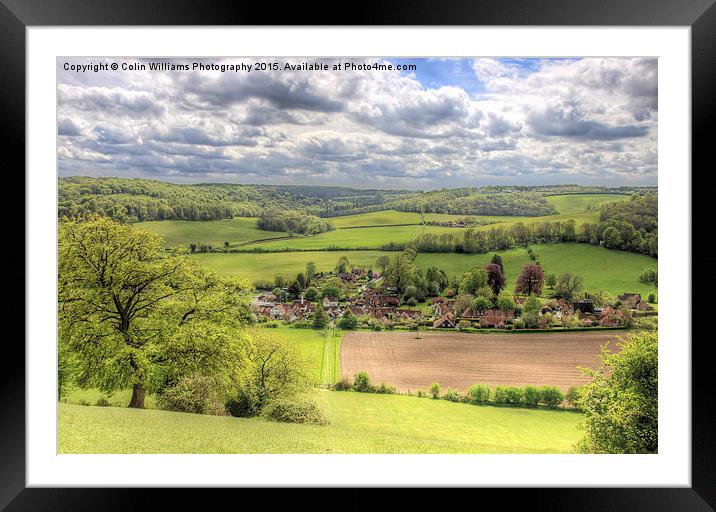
(531, 121)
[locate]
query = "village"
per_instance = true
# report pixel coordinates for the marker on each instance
(376, 306)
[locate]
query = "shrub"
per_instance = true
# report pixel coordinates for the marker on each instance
(420, 393)
(195, 394)
(551, 396)
(482, 303)
(243, 405)
(572, 397)
(435, 390)
(102, 402)
(479, 393)
(649, 275)
(506, 303)
(531, 396)
(518, 323)
(510, 395)
(452, 395)
(343, 385)
(651, 298)
(385, 389)
(464, 324)
(287, 410)
(348, 321)
(647, 323)
(412, 301)
(361, 382)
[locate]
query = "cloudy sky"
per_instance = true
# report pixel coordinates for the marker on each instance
(449, 123)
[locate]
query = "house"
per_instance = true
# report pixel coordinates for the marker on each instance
(267, 299)
(611, 317)
(644, 306)
(495, 317)
(330, 302)
(444, 322)
(440, 308)
(408, 314)
(630, 299)
(488, 317)
(583, 305)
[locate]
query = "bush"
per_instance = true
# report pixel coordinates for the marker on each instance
(647, 323)
(551, 396)
(102, 402)
(651, 298)
(420, 393)
(343, 385)
(479, 393)
(361, 382)
(348, 321)
(509, 395)
(531, 396)
(506, 303)
(301, 410)
(464, 324)
(452, 395)
(385, 389)
(649, 275)
(412, 301)
(195, 394)
(435, 390)
(572, 397)
(243, 405)
(518, 323)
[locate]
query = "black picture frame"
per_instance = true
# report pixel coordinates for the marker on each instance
(700, 15)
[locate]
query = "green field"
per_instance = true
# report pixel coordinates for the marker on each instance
(602, 269)
(321, 348)
(236, 231)
(265, 266)
(573, 203)
(365, 230)
(359, 423)
(382, 218)
(358, 238)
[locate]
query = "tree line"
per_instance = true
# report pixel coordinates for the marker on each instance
(613, 233)
(133, 200)
(293, 222)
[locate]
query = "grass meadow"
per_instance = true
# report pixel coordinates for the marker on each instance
(602, 269)
(573, 203)
(238, 230)
(365, 230)
(359, 423)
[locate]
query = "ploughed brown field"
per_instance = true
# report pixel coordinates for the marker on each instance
(458, 360)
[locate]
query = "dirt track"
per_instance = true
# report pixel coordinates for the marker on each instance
(459, 360)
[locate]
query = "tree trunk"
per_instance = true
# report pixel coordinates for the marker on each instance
(138, 392)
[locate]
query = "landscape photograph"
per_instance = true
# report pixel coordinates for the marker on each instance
(379, 255)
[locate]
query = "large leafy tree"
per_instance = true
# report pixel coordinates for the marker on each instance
(530, 280)
(274, 367)
(133, 315)
(401, 272)
(497, 260)
(473, 280)
(495, 278)
(568, 285)
(621, 402)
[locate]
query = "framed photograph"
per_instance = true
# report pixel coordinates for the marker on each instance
(417, 248)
